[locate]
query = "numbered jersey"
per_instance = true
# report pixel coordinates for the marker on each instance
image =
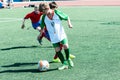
(55, 28)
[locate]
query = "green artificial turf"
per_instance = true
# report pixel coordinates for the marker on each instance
(94, 40)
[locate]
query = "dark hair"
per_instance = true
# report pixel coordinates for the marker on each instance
(40, 7)
(53, 5)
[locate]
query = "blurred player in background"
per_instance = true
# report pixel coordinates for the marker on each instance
(1, 4)
(34, 16)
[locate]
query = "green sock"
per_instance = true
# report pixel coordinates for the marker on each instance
(67, 53)
(61, 57)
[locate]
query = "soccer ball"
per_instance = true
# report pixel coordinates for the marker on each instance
(43, 65)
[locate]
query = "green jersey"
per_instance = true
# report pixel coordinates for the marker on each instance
(54, 27)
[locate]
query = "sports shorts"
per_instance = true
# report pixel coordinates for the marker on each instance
(35, 25)
(64, 41)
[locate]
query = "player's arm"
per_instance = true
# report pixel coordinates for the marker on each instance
(69, 23)
(63, 16)
(23, 24)
(26, 17)
(42, 25)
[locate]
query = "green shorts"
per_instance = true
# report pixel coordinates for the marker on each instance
(64, 41)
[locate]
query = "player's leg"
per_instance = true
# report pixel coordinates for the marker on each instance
(61, 57)
(56, 56)
(67, 52)
(56, 59)
(43, 34)
(40, 36)
(46, 34)
(38, 28)
(70, 55)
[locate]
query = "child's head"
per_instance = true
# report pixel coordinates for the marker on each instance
(36, 10)
(44, 7)
(53, 5)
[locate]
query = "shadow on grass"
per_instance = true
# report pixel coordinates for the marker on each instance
(110, 23)
(24, 70)
(27, 70)
(19, 64)
(22, 64)
(20, 47)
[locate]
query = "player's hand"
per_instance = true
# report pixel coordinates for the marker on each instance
(70, 25)
(22, 27)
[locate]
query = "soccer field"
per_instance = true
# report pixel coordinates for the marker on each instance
(94, 40)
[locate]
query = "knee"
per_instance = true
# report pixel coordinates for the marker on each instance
(57, 49)
(65, 46)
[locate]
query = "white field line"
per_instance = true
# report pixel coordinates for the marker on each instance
(9, 19)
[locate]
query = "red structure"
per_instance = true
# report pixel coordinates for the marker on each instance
(75, 3)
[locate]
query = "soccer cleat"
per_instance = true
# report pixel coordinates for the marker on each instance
(72, 56)
(63, 67)
(40, 41)
(57, 60)
(70, 63)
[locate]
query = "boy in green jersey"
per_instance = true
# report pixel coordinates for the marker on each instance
(52, 20)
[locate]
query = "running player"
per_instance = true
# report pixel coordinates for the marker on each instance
(34, 16)
(52, 20)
